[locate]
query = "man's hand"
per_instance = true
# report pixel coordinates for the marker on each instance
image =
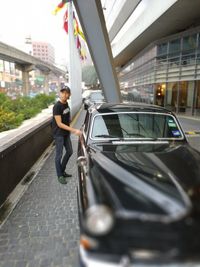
(77, 132)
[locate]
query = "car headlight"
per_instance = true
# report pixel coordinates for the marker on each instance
(99, 220)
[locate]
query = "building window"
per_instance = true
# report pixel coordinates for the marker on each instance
(174, 61)
(197, 104)
(198, 43)
(162, 49)
(198, 58)
(189, 44)
(171, 96)
(188, 60)
(186, 90)
(175, 46)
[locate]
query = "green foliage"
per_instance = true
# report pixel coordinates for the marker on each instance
(3, 98)
(13, 112)
(42, 101)
(9, 120)
(89, 75)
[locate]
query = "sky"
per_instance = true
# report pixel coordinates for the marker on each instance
(21, 18)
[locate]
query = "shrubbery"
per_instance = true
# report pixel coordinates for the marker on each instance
(13, 112)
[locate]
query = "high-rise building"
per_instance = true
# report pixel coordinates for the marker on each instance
(43, 51)
(167, 73)
(28, 45)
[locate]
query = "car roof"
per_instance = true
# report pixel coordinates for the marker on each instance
(123, 107)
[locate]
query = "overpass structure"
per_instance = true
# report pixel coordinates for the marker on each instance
(134, 24)
(118, 33)
(27, 63)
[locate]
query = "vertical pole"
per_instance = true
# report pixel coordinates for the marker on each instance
(70, 36)
(74, 65)
(46, 84)
(25, 79)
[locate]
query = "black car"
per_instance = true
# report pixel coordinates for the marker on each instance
(138, 189)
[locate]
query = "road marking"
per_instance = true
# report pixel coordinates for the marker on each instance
(192, 132)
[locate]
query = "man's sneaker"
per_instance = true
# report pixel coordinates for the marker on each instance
(62, 180)
(66, 175)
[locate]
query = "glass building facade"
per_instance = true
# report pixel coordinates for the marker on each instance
(166, 73)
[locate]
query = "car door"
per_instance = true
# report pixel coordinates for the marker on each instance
(82, 166)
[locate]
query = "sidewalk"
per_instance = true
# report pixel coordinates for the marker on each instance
(43, 228)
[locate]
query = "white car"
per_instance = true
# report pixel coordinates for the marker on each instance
(95, 97)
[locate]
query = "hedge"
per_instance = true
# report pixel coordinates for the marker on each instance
(14, 112)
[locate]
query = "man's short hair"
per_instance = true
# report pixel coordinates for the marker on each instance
(65, 88)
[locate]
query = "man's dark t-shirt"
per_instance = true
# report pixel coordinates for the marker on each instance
(64, 111)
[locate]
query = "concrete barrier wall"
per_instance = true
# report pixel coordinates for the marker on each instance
(18, 157)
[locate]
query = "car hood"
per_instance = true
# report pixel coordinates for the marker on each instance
(152, 181)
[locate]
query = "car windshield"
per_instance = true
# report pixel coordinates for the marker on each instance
(135, 125)
(96, 96)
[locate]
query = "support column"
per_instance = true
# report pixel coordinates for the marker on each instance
(26, 83)
(46, 83)
(93, 24)
(25, 76)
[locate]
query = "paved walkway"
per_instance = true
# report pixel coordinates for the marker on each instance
(43, 230)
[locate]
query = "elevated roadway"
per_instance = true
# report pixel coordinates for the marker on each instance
(27, 63)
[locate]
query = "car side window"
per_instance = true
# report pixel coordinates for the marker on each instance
(99, 127)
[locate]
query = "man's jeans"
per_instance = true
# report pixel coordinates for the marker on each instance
(61, 162)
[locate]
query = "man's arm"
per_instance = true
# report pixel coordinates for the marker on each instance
(66, 127)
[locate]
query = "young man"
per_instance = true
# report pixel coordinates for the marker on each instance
(61, 132)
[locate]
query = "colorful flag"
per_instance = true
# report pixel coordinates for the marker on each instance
(76, 28)
(78, 43)
(65, 23)
(59, 7)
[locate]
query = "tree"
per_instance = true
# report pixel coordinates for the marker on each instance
(89, 76)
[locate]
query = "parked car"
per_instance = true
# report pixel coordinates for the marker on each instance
(95, 97)
(138, 189)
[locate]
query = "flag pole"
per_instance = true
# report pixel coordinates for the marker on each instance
(75, 76)
(70, 39)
